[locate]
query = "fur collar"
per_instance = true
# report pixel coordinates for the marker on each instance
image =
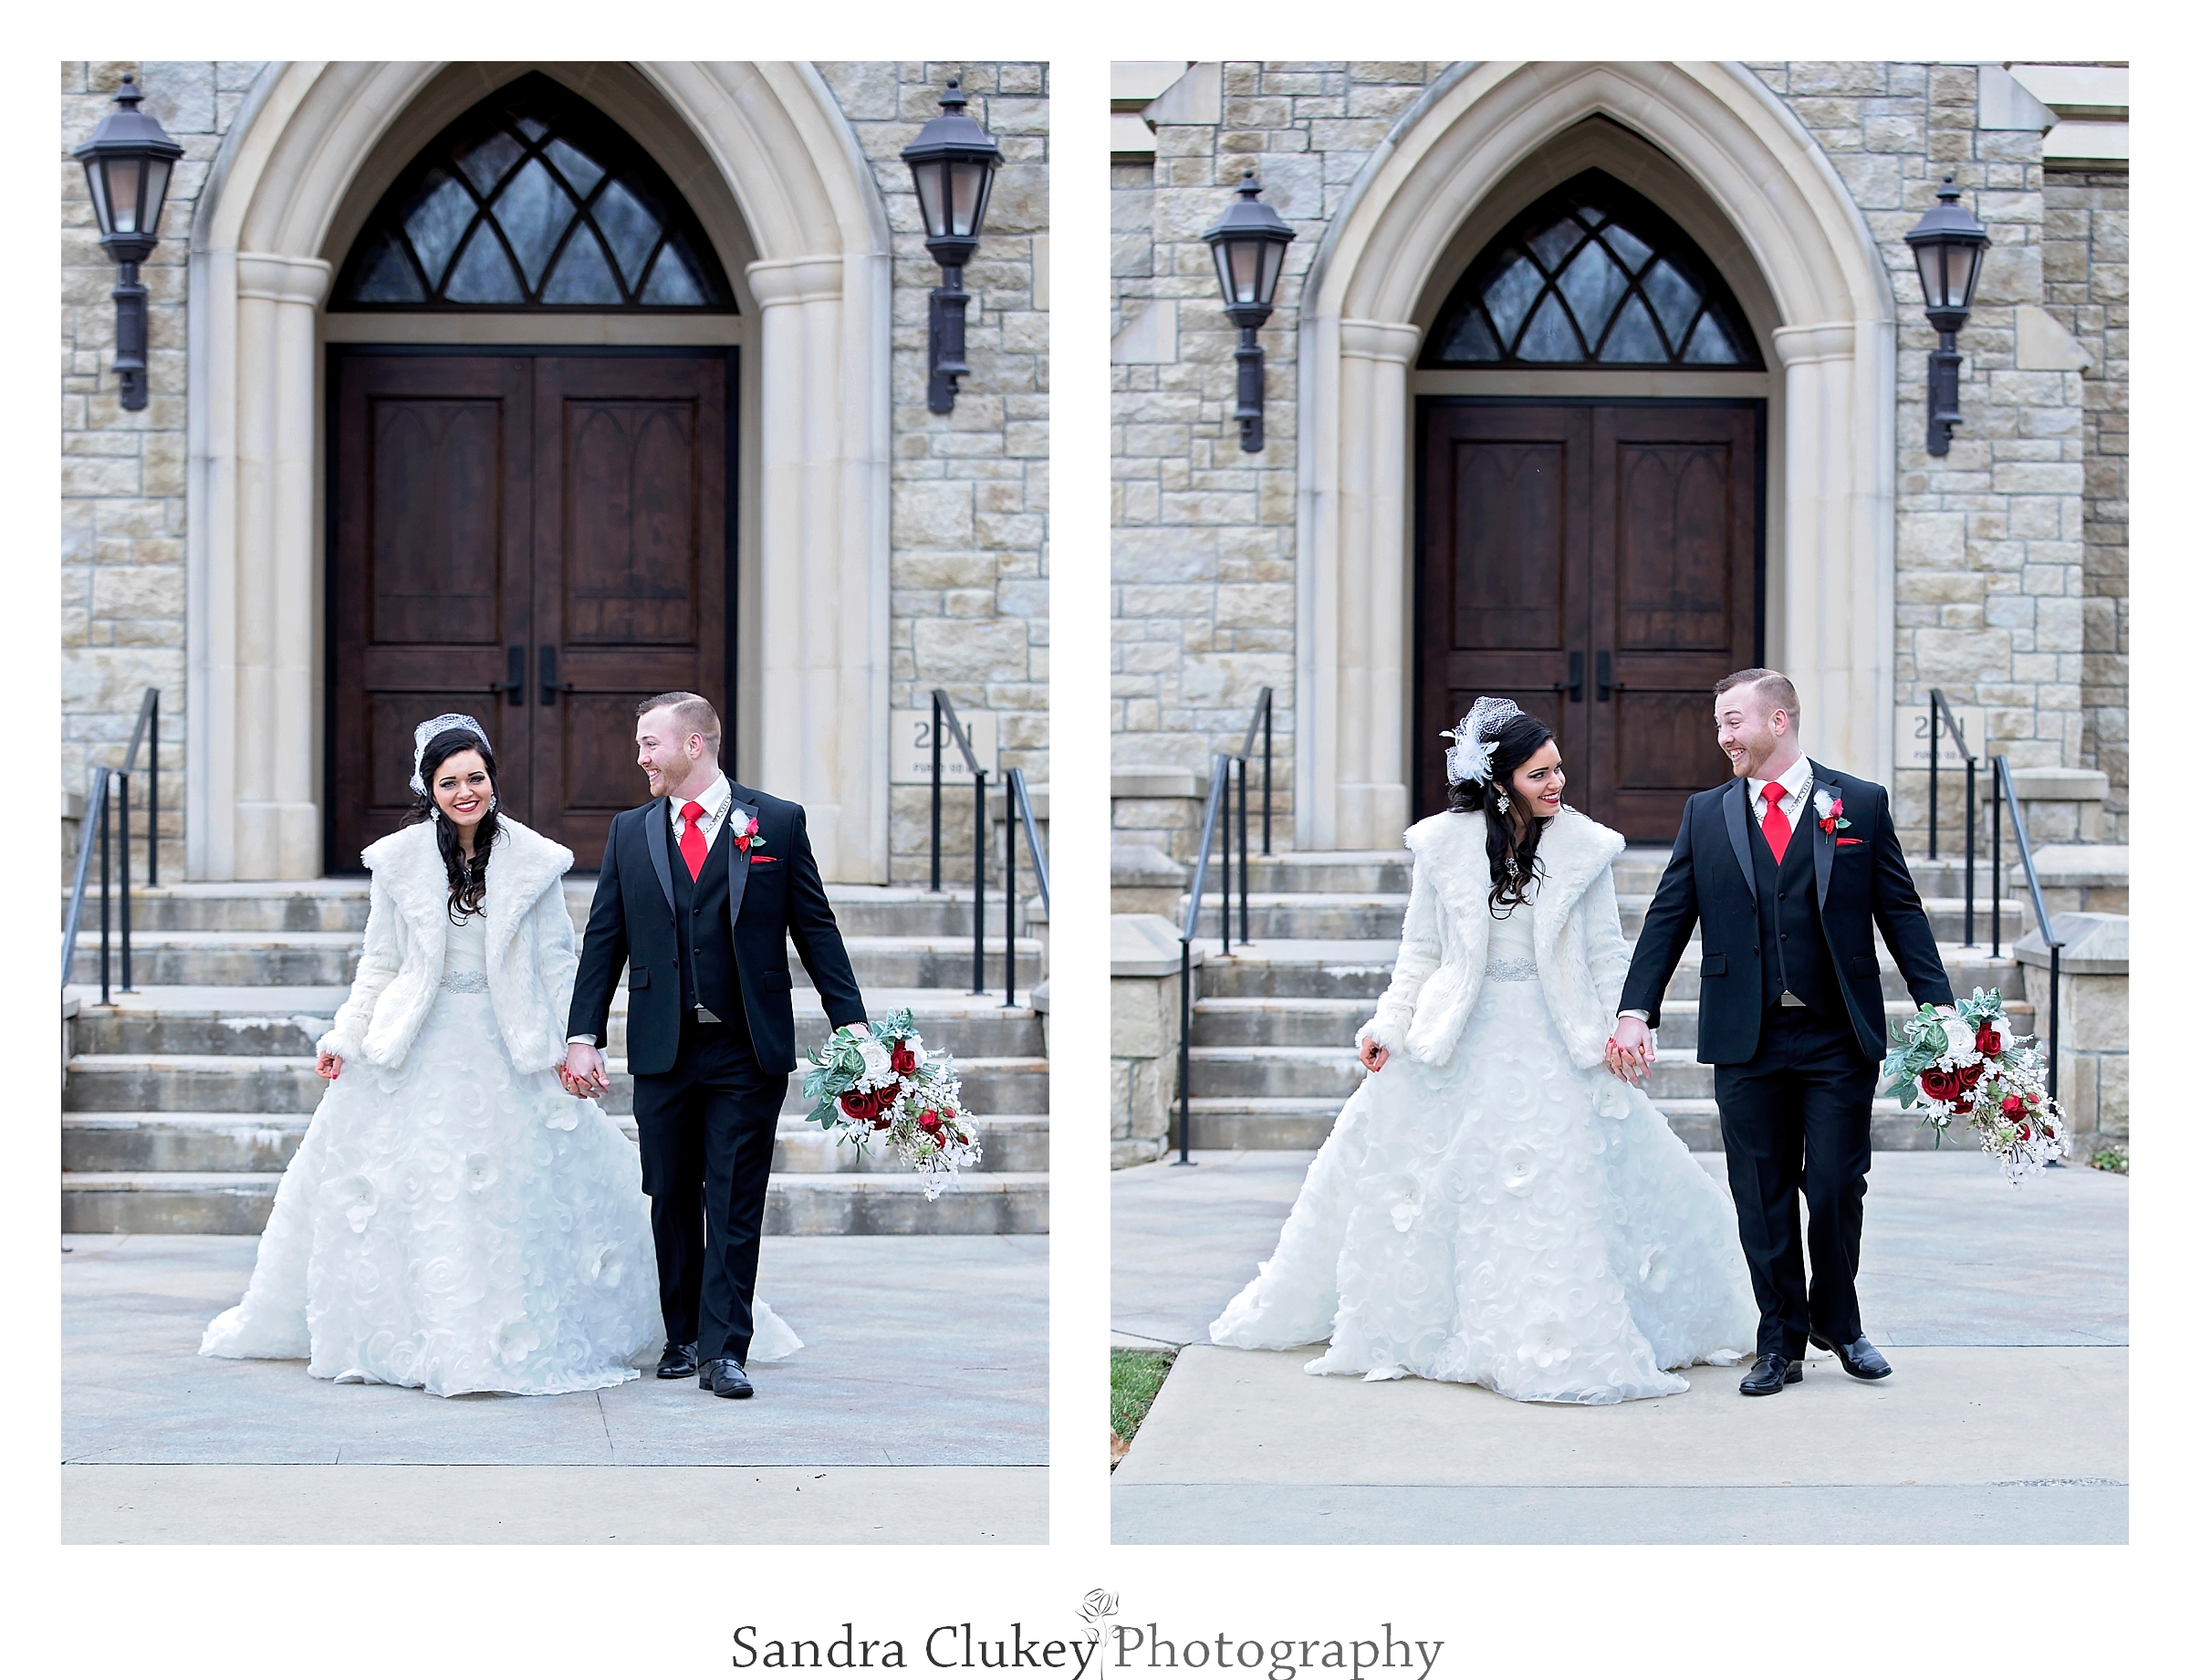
(524, 866)
(1574, 850)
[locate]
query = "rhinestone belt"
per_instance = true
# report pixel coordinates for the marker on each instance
(1511, 968)
(463, 980)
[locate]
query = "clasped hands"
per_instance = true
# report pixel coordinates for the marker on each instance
(1630, 1051)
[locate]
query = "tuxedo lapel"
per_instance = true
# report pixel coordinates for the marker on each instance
(740, 857)
(656, 823)
(1821, 841)
(1736, 807)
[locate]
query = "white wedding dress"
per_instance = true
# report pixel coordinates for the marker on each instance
(1506, 1220)
(455, 1226)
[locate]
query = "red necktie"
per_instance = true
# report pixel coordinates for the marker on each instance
(695, 844)
(1777, 830)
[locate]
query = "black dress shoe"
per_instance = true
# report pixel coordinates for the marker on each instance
(1771, 1373)
(1858, 1358)
(679, 1359)
(727, 1378)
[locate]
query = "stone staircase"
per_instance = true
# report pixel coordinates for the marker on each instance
(1272, 1055)
(184, 1101)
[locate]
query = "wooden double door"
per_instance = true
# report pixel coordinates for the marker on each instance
(1601, 564)
(541, 539)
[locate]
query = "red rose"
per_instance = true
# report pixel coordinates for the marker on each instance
(901, 1059)
(2012, 1108)
(931, 1122)
(867, 1104)
(1988, 1039)
(1939, 1084)
(1969, 1078)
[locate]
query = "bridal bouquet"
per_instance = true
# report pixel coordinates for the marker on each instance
(894, 1085)
(1968, 1065)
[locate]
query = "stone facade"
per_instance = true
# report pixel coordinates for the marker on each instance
(2010, 585)
(970, 490)
(969, 532)
(122, 574)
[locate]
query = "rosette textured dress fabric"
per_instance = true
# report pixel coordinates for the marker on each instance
(449, 1222)
(1503, 1214)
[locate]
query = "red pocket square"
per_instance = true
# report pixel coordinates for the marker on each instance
(1847, 842)
(763, 859)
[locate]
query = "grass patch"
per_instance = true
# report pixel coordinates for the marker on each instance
(1136, 1375)
(2105, 1160)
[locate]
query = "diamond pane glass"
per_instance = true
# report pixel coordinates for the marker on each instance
(1636, 290)
(533, 211)
(534, 172)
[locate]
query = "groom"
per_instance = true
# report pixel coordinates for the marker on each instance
(698, 889)
(1788, 867)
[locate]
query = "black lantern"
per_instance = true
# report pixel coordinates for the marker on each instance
(1950, 247)
(1249, 245)
(954, 162)
(128, 162)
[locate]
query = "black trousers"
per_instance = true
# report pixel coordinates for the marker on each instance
(707, 1138)
(1797, 1117)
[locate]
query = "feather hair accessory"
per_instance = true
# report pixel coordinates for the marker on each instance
(1467, 760)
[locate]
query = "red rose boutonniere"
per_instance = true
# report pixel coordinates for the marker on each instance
(744, 831)
(1829, 813)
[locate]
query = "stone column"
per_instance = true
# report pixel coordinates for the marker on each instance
(1369, 775)
(2092, 1057)
(824, 559)
(1144, 1036)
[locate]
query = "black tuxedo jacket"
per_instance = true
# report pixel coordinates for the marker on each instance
(633, 920)
(1861, 879)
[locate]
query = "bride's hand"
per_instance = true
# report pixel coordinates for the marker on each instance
(329, 1066)
(1374, 1056)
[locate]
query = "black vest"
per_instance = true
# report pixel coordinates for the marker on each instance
(707, 957)
(1791, 930)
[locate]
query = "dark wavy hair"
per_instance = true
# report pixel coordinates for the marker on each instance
(1509, 839)
(468, 880)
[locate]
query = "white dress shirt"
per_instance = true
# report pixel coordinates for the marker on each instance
(716, 804)
(1794, 781)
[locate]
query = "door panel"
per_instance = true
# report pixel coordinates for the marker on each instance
(559, 520)
(432, 461)
(1597, 563)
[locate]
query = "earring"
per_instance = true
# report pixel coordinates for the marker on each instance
(494, 801)
(1505, 804)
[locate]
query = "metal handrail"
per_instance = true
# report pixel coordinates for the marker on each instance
(94, 827)
(2003, 783)
(1261, 720)
(1017, 779)
(1018, 806)
(1940, 709)
(1216, 820)
(1017, 801)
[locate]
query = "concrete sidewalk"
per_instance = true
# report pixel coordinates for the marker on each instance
(2006, 1312)
(951, 1331)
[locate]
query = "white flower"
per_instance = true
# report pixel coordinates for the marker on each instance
(741, 823)
(875, 1056)
(1516, 1166)
(357, 1197)
(1404, 1214)
(1961, 1039)
(1547, 1343)
(1822, 803)
(1653, 1273)
(920, 1055)
(1609, 1098)
(515, 1340)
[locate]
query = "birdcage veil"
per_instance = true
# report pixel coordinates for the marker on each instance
(1467, 760)
(433, 727)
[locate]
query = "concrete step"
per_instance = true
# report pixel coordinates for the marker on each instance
(338, 904)
(286, 1084)
(201, 957)
(1637, 870)
(1287, 1022)
(800, 1204)
(1291, 1071)
(272, 1020)
(1246, 1122)
(216, 1142)
(1332, 968)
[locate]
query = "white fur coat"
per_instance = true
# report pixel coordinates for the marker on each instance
(531, 948)
(1443, 948)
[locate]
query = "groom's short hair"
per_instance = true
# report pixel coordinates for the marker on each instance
(1772, 687)
(693, 716)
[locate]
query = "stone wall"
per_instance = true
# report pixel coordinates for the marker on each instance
(122, 591)
(2087, 290)
(1994, 601)
(970, 489)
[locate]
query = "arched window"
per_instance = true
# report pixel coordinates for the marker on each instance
(533, 200)
(1591, 275)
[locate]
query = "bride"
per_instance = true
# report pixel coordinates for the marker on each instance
(453, 1220)
(1494, 1206)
